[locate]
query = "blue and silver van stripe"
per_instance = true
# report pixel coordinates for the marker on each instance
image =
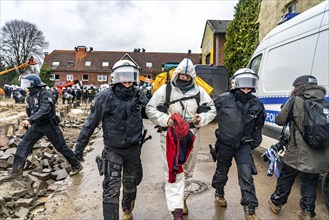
(273, 105)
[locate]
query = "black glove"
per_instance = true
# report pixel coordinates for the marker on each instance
(79, 155)
(203, 108)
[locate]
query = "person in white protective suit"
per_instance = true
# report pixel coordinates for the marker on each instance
(197, 108)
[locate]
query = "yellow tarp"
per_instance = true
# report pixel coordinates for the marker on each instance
(161, 79)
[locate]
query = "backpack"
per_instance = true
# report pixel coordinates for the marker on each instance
(316, 123)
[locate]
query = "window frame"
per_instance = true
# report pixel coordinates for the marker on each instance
(102, 78)
(69, 76)
(85, 79)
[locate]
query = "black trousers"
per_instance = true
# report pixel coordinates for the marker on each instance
(244, 163)
(308, 188)
(32, 135)
(123, 165)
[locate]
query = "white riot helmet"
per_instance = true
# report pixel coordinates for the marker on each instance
(244, 78)
(124, 71)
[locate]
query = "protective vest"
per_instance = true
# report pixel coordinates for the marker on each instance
(239, 123)
(40, 106)
(121, 120)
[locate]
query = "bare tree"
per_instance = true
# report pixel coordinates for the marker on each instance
(19, 41)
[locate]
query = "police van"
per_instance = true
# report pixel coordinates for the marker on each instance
(297, 47)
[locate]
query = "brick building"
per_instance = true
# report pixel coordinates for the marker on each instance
(93, 67)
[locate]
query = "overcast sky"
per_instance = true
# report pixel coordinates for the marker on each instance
(157, 26)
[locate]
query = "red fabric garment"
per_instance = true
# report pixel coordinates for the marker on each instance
(179, 144)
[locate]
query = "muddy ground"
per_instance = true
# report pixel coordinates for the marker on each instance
(80, 196)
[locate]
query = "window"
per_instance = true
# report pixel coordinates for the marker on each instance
(292, 8)
(69, 77)
(55, 63)
(54, 77)
(102, 78)
(105, 63)
(88, 63)
(255, 63)
(85, 77)
(70, 63)
(149, 65)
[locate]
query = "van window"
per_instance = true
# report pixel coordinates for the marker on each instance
(255, 63)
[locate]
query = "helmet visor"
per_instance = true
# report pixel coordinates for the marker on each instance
(120, 77)
(26, 83)
(246, 82)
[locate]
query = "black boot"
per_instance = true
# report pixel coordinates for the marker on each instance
(178, 214)
(18, 166)
(110, 211)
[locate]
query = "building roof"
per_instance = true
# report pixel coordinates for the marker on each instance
(217, 26)
(79, 57)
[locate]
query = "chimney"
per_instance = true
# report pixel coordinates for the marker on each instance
(80, 49)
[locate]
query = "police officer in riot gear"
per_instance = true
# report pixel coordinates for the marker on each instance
(42, 120)
(119, 108)
(241, 117)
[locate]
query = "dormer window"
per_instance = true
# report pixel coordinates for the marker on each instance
(105, 63)
(70, 63)
(56, 63)
(149, 65)
(88, 63)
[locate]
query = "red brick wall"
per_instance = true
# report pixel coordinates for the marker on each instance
(222, 40)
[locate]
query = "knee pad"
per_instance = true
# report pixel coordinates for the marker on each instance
(113, 169)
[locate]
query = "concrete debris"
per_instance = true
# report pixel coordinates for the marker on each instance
(3, 141)
(44, 167)
(22, 213)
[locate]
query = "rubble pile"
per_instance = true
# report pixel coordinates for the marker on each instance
(44, 167)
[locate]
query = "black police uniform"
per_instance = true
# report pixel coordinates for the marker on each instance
(91, 94)
(240, 121)
(120, 112)
(63, 95)
(42, 116)
(78, 94)
(84, 94)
